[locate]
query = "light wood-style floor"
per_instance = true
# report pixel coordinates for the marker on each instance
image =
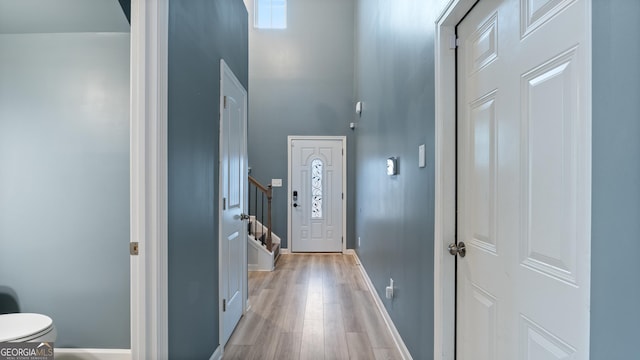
(311, 307)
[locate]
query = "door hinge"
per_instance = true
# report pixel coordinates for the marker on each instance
(224, 305)
(342, 196)
(342, 239)
(224, 203)
(225, 102)
(133, 248)
(342, 152)
(453, 42)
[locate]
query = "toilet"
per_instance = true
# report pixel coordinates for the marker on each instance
(26, 327)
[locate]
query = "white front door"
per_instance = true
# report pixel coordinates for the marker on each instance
(524, 180)
(316, 194)
(233, 201)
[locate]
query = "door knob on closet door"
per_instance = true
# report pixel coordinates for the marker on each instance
(458, 249)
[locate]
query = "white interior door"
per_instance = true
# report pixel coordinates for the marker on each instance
(316, 194)
(523, 180)
(233, 198)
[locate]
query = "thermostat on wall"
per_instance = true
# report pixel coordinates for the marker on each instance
(392, 166)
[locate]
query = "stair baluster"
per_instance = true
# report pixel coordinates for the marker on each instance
(259, 212)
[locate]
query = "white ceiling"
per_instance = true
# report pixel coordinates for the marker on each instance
(61, 16)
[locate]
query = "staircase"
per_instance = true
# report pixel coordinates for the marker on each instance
(263, 247)
(259, 258)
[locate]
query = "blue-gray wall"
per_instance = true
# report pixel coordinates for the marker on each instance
(615, 268)
(201, 32)
(301, 84)
(126, 9)
(64, 182)
(395, 80)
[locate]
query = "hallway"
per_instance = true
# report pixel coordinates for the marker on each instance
(313, 306)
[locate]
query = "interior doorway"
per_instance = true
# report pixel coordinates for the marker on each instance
(233, 201)
(522, 182)
(65, 158)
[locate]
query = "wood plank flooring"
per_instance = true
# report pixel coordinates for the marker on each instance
(313, 306)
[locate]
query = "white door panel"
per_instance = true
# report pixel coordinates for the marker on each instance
(523, 180)
(233, 195)
(316, 199)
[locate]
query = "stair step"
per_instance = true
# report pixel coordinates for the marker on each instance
(259, 258)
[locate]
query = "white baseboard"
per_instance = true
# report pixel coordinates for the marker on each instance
(254, 267)
(329, 253)
(91, 354)
(351, 252)
(217, 355)
(402, 348)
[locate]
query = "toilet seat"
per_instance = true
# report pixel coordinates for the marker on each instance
(24, 327)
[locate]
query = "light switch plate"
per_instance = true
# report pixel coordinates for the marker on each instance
(422, 161)
(276, 182)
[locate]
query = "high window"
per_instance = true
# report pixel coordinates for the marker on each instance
(270, 14)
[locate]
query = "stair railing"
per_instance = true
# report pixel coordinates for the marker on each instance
(258, 193)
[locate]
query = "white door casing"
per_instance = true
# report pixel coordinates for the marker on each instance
(233, 201)
(149, 269)
(317, 170)
(524, 180)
